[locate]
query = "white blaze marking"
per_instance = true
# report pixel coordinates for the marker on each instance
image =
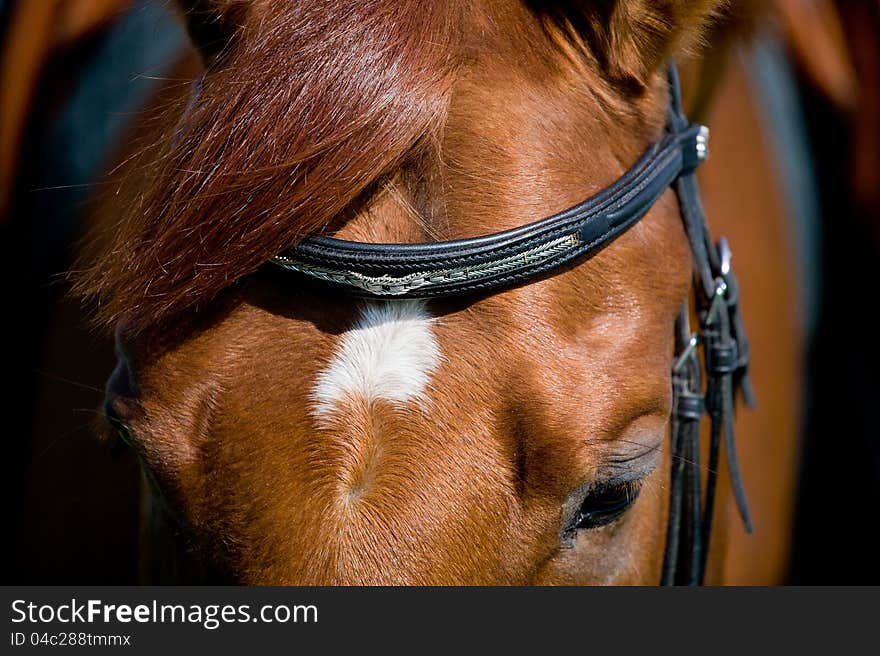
(390, 354)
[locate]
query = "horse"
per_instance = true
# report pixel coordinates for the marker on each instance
(293, 433)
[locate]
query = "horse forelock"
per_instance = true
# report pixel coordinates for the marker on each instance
(310, 105)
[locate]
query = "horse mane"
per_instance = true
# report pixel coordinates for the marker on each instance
(309, 104)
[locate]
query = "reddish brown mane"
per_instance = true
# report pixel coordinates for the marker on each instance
(311, 104)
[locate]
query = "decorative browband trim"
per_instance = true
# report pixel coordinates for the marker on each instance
(504, 258)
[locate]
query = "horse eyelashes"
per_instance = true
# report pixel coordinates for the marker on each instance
(606, 503)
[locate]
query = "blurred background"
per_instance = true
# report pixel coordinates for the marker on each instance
(81, 80)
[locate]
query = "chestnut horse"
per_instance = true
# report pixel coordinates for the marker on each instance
(293, 435)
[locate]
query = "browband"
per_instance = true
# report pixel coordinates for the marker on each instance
(449, 268)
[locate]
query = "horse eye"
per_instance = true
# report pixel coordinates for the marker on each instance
(120, 430)
(605, 503)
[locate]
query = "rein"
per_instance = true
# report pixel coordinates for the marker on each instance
(701, 385)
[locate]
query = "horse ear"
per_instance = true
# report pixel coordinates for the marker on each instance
(213, 24)
(632, 39)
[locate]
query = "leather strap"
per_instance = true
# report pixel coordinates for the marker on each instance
(506, 258)
(726, 358)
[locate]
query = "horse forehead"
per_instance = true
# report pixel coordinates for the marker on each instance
(390, 353)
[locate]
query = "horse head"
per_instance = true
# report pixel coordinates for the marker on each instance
(297, 434)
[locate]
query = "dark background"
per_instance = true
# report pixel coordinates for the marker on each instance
(72, 503)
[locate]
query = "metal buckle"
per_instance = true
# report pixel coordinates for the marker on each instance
(721, 286)
(686, 353)
(717, 300)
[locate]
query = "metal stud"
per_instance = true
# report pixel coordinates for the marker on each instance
(703, 143)
(725, 255)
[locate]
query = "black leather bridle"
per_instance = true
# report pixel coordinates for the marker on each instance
(485, 264)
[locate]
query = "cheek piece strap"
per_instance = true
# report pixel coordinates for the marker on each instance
(704, 385)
